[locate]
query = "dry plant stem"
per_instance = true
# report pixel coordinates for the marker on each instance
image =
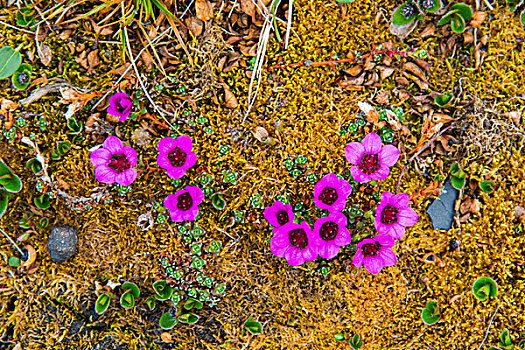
(488, 329)
(12, 242)
(429, 142)
(16, 28)
(289, 24)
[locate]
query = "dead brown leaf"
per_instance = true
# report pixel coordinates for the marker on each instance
(260, 133)
(44, 52)
(468, 37)
(354, 71)
(195, 25)
(383, 97)
(402, 80)
(204, 10)
(166, 337)
(359, 80)
(477, 19)
(229, 97)
(93, 60)
(515, 116)
(429, 31)
(385, 72)
(248, 7)
(519, 214)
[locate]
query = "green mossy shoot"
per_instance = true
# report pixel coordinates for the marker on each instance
(24, 17)
(127, 300)
(355, 343)
(163, 291)
(102, 303)
(405, 14)
(444, 99)
(487, 186)
(458, 16)
(42, 201)
(252, 326)
(458, 176)
(484, 287)
(10, 60)
(150, 302)
(167, 321)
(22, 76)
(8, 180)
(192, 303)
(188, 318)
(430, 314)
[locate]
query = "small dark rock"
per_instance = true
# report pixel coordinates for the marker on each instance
(62, 243)
(441, 211)
(453, 244)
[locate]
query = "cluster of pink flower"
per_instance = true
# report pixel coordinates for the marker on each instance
(298, 243)
(116, 163)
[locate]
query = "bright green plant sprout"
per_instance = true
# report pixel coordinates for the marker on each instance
(42, 201)
(167, 321)
(22, 76)
(487, 186)
(10, 60)
(163, 290)
(102, 303)
(188, 318)
(131, 292)
(458, 16)
(458, 176)
(150, 303)
(405, 14)
(253, 326)
(218, 202)
(192, 303)
(8, 180)
(355, 342)
(24, 17)
(484, 287)
(444, 99)
(430, 314)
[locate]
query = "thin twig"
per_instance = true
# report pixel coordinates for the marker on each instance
(14, 27)
(12, 242)
(429, 142)
(289, 24)
(488, 329)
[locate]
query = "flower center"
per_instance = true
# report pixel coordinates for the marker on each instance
(23, 78)
(329, 230)
(389, 215)
(184, 201)
(408, 11)
(428, 4)
(298, 238)
(119, 162)
(328, 196)
(282, 217)
(370, 249)
(177, 157)
(369, 163)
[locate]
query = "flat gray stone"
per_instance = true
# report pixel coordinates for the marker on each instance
(62, 243)
(441, 211)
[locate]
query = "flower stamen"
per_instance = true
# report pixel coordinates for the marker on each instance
(184, 201)
(298, 238)
(329, 231)
(369, 163)
(177, 157)
(389, 215)
(282, 217)
(119, 162)
(328, 196)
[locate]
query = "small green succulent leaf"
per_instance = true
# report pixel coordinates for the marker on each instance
(127, 300)
(458, 182)
(430, 314)
(63, 147)
(457, 24)
(163, 290)
(464, 10)
(218, 202)
(42, 201)
(447, 17)
(8, 179)
(42, 223)
(3, 202)
(35, 165)
(102, 303)
(505, 339)
(522, 17)
(521, 345)
(22, 76)
(14, 261)
(132, 287)
(150, 302)
(188, 318)
(487, 186)
(339, 337)
(167, 321)
(405, 14)
(355, 343)
(74, 126)
(192, 303)
(10, 60)
(484, 287)
(24, 17)
(54, 155)
(430, 5)
(444, 99)
(252, 326)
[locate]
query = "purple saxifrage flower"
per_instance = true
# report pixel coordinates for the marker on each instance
(375, 253)
(114, 162)
(330, 233)
(120, 106)
(175, 155)
(330, 193)
(279, 214)
(294, 242)
(371, 159)
(184, 204)
(393, 214)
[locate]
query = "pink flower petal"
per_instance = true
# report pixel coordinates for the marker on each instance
(191, 159)
(372, 143)
(166, 145)
(310, 252)
(196, 194)
(407, 217)
(384, 240)
(328, 251)
(105, 175)
(176, 173)
(354, 152)
(388, 256)
(163, 161)
(126, 177)
(113, 144)
(389, 155)
(373, 264)
(381, 174)
(169, 202)
(343, 237)
(270, 214)
(358, 258)
(380, 227)
(385, 198)
(184, 143)
(397, 231)
(131, 154)
(358, 175)
(401, 200)
(294, 257)
(100, 156)
(177, 215)
(279, 244)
